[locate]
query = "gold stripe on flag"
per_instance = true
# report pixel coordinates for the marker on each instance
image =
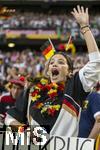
(49, 54)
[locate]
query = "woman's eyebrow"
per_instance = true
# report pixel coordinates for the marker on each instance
(58, 59)
(61, 59)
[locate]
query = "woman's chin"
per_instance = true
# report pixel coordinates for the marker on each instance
(56, 80)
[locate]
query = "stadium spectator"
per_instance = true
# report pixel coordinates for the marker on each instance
(2, 67)
(89, 126)
(8, 100)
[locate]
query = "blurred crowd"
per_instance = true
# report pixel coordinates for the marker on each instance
(61, 23)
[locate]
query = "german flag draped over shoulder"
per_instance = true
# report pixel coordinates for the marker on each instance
(48, 49)
(71, 106)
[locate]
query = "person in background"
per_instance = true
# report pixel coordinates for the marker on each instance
(89, 126)
(12, 73)
(2, 67)
(8, 100)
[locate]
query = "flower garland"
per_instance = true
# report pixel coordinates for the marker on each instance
(52, 91)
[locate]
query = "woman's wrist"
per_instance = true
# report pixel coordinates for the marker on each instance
(84, 26)
(84, 29)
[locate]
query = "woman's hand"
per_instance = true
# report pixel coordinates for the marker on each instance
(81, 15)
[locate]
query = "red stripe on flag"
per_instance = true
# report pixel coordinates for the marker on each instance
(47, 50)
(70, 106)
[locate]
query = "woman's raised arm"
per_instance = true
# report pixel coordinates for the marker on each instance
(90, 73)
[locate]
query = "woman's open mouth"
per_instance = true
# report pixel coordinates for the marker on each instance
(55, 72)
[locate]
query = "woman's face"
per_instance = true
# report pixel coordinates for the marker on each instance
(58, 68)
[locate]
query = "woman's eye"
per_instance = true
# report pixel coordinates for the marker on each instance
(51, 62)
(61, 62)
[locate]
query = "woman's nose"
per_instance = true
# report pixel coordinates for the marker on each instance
(55, 64)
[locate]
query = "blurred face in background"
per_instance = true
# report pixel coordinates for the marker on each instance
(98, 88)
(58, 68)
(14, 70)
(1, 61)
(16, 90)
